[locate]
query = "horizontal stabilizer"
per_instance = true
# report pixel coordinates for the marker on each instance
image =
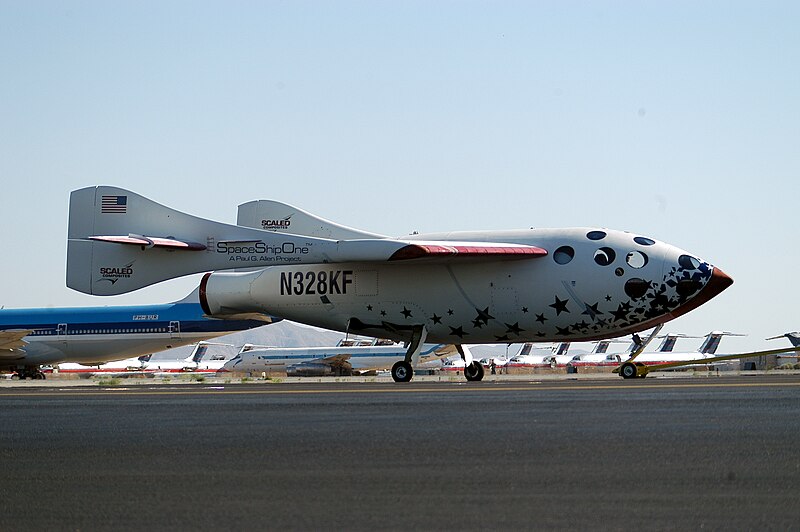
(151, 242)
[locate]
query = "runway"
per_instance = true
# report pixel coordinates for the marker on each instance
(675, 453)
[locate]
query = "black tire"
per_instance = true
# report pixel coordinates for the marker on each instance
(474, 372)
(628, 370)
(402, 371)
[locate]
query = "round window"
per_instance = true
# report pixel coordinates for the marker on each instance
(688, 262)
(644, 241)
(564, 255)
(687, 287)
(596, 235)
(636, 259)
(636, 288)
(604, 256)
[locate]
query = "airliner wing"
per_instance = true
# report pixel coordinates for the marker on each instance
(335, 360)
(13, 338)
(644, 370)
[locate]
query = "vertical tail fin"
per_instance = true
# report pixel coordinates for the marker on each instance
(271, 215)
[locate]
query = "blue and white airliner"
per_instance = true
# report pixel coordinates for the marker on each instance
(30, 338)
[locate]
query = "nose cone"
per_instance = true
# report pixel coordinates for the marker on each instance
(718, 282)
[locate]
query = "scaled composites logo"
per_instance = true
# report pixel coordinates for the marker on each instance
(114, 274)
(277, 225)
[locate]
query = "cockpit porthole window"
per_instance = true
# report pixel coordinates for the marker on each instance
(564, 255)
(687, 287)
(604, 256)
(644, 241)
(688, 262)
(636, 288)
(596, 235)
(636, 259)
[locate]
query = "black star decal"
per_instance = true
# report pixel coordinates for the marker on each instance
(619, 314)
(540, 335)
(503, 338)
(592, 311)
(477, 323)
(369, 308)
(524, 310)
(449, 312)
(406, 313)
(514, 329)
(436, 319)
(383, 313)
(540, 318)
(560, 306)
(608, 298)
(458, 332)
(483, 316)
(563, 331)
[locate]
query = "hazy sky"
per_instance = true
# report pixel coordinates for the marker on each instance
(676, 120)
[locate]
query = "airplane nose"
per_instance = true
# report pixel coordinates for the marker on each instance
(718, 282)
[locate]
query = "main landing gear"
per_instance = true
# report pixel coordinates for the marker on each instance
(473, 371)
(403, 371)
(29, 373)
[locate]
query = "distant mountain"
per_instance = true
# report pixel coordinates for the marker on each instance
(282, 334)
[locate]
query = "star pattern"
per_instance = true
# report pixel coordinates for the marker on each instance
(484, 316)
(592, 311)
(514, 329)
(560, 306)
(458, 331)
(677, 285)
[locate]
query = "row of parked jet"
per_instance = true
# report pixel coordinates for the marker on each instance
(603, 354)
(359, 356)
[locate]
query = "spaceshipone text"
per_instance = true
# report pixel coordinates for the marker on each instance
(262, 252)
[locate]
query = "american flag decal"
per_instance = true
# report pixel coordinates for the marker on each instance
(114, 204)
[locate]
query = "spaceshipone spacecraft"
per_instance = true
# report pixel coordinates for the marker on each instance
(566, 284)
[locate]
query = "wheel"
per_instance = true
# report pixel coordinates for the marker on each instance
(38, 376)
(402, 372)
(628, 370)
(474, 371)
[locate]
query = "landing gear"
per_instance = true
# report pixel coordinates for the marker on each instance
(630, 370)
(30, 373)
(473, 371)
(402, 371)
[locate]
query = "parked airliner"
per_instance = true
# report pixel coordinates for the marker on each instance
(33, 337)
(344, 359)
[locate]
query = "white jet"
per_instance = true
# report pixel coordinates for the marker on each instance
(342, 359)
(537, 285)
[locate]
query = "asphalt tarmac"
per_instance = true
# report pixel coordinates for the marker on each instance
(677, 453)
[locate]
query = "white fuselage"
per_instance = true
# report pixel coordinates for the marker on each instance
(360, 358)
(593, 284)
